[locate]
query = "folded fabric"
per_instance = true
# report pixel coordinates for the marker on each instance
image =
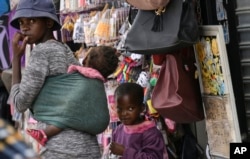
(73, 101)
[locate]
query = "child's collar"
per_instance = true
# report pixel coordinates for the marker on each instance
(139, 128)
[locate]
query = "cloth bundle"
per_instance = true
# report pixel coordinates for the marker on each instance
(73, 101)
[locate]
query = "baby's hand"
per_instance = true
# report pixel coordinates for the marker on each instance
(116, 148)
(19, 48)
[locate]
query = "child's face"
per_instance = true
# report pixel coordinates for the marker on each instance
(33, 28)
(128, 112)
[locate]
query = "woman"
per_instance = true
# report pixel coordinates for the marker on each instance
(37, 20)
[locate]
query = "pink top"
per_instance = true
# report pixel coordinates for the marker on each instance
(86, 71)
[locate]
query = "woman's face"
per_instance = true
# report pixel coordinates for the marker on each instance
(34, 28)
(128, 112)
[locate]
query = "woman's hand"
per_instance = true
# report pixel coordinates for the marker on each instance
(116, 148)
(19, 44)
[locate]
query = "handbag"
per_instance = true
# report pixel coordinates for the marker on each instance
(149, 4)
(164, 30)
(177, 95)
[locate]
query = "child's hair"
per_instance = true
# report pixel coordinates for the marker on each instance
(132, 89)
(103, 59)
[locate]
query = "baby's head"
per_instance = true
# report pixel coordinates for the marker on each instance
(102, 58)
(129, 101)
(36, 9)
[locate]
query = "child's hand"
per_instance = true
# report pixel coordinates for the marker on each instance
(19, 49)
(116, 148)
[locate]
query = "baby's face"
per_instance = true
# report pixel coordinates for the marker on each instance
(86, 58)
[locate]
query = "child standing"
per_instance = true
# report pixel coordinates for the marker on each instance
(135, 138)
(37, 19)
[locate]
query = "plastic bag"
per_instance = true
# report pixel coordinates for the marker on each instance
(78, 33)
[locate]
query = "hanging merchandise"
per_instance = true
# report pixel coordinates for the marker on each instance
(143, 79)
(94, 27)
(222, 19)
(4, 43)
(68, 26)
(149, 4)
(123, 31)
(78, 33)
(103, 27)
(158, 59)
(211, 66)
(165, 30)
(113, 25)
(89, 27)
(69, 6)
(62, 5)
(154, 77)
(123, 34)
(110, 87)
(130, 70)
(176, 95)
(220, 10)
(13, 4)
(73, 5)
(137, 58)
(81, 3)
(151, 110)
(107, 30)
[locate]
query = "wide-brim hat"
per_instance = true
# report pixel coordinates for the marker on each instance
(35, 8)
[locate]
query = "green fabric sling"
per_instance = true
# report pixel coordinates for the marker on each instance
(73, 101)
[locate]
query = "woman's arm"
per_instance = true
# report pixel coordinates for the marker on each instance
(18, 52)
(24, 90)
